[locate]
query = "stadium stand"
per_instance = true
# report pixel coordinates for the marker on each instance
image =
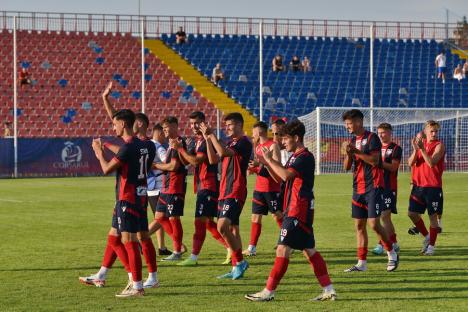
(70, 70)
(405, 75)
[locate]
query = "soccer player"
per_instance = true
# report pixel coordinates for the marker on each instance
(155, 183)
(131, 164)
(205, 184)
(297, 229)
(277, 130)
(427, 164)
(233, 187)
(170, 205)
(363, 154)
(266, 193)
(391, 157)
(139, 128)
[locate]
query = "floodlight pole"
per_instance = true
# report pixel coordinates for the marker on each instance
(371, 77)
(15, 102)
(142, 64)
(260, 54)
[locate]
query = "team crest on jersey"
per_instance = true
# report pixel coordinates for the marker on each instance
(389, 152)
(364, 142)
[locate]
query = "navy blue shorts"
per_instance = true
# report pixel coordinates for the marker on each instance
(171, 204)
(207, 204)
(295, 235)
(262, 202)
(127, 217)
(430, 198)
(367, 205)
(440, 70)
(230, 208)
(390, 201)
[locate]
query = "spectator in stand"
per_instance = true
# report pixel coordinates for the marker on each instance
(440, 63)
(277, 63)
(458, 73)
(465, 69)
(24, 77)
(295, 64)
(6, 129)
(181, 36)
(306, 64)
(217, 74)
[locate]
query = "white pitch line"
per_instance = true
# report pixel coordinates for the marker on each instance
(11, 200)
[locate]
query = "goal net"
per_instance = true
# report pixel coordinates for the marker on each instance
(325, 133)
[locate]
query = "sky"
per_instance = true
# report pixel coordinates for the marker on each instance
(373, 10)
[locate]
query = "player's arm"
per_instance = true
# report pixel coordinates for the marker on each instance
(111, 147)
(173, 165)
(107, 104)
(348, 160)
(412, 157)
(275, 167)
(106, 166)
(372, 159)
(194, 160)
(433, 160)
(276, 155)
(213, 143)
(392, 167)
(213, 158)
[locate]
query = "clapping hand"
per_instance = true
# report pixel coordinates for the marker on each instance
(108, 90)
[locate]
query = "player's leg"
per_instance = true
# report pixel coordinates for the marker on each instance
(259, 208)
(434, 198)
(321, 273)
(359, 215)
(162, 249)
(228, 227)
(149, 252)
(416, 208)
(130, 241)
(197, 241)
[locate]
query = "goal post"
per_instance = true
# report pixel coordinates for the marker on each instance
(326, 134)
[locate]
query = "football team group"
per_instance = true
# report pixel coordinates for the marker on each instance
(153, 171)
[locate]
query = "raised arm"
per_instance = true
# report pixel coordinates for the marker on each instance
(173, 165)
(412, 157)
(111, 147)
(106, 166)
(433, 160)
(194, 160)
(348, 160)
(107, 104)
(275, 167)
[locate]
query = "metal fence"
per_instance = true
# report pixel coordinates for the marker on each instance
(157, 25)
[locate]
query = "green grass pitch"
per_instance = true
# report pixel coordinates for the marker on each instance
(54, 230)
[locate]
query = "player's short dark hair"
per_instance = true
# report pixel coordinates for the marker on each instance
(262, 125)
(353, 114)
(170, 120)
(279, 122)
(157, 127)
(295, 127)
(142, 117)
(197, 115)
(236, 117)
(385, 126)
(127, 115)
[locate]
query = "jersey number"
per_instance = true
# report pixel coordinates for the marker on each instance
(143, 166)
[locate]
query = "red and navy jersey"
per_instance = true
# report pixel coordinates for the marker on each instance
(366, 177)
(422, 174)
(206, 175)
(264, 182)
(135, 158)
(299, 192)
(234, 170)
(390, 152)
(174, 182)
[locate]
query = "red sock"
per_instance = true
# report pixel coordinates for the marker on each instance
(150, 255)
(212, 227)
(279, 221)
(177, 234)
(277, 273)
(120, 250)
(387, 245)
(166, 224)
(421, 227)
(109, 254)
(362, 253)
(134, 260)
(432, 235)
(393, 238)
(320, 269)
(198, 236)
(255, 231)
(237, 257)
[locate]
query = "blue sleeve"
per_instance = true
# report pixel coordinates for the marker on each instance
(374, 143)
(123, 154)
